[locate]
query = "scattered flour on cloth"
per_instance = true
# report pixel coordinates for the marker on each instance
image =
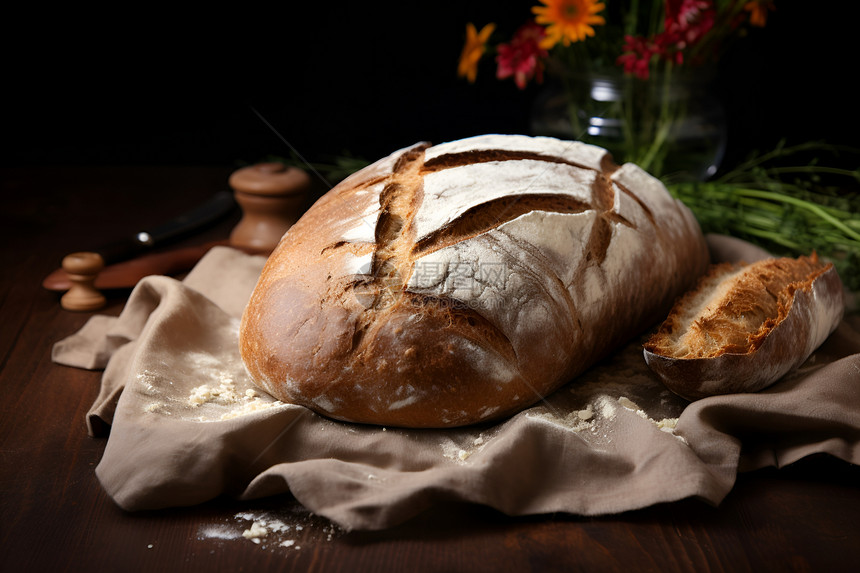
(590, 406)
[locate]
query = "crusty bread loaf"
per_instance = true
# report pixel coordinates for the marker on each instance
(452, 284)
(745, 326)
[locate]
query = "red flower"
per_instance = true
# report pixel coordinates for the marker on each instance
(636, 56)
(686, 22)
(523, 57)
(670, 46)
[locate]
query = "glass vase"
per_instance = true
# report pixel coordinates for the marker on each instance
(670, 124)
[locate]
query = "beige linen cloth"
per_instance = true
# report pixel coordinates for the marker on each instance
(185, 424)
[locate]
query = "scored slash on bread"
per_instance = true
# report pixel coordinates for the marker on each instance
(459, 283)
(745, 326)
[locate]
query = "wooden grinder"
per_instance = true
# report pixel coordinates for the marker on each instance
(83, 268)
(272, 197)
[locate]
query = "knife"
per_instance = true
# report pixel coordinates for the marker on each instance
(126, 248)
(140, 243)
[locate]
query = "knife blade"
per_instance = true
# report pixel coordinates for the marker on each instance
(140, 243)
(219, 205)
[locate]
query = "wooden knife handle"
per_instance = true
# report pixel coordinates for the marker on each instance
(126, 274)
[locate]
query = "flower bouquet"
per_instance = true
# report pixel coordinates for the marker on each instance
(632, 77)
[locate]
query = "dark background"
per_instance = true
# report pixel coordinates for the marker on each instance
(232, 85)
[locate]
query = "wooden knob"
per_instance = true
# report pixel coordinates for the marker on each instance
(271, 196)
(83, 268)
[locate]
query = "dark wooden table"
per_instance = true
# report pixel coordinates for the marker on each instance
(54, 515)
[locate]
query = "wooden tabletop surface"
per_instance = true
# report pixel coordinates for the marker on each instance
(56, 517)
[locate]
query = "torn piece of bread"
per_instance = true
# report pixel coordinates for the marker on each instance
(745, 326)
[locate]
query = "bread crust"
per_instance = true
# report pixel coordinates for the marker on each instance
(460, 283)
(745, 326)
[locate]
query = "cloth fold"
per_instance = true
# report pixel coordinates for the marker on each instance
(185, 424)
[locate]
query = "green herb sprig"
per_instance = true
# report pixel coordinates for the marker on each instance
(787, 209)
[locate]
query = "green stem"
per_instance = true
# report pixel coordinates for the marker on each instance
(665, 122)
(571, 108)
(631, 18)
(815, 169)
(769, 235)
(744, 168)
(816, 209)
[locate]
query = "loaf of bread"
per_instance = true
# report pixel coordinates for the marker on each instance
(745, 326)
(458, 283)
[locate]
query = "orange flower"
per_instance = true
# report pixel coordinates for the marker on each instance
(568, 20)
(758, 10)
(476, 45)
